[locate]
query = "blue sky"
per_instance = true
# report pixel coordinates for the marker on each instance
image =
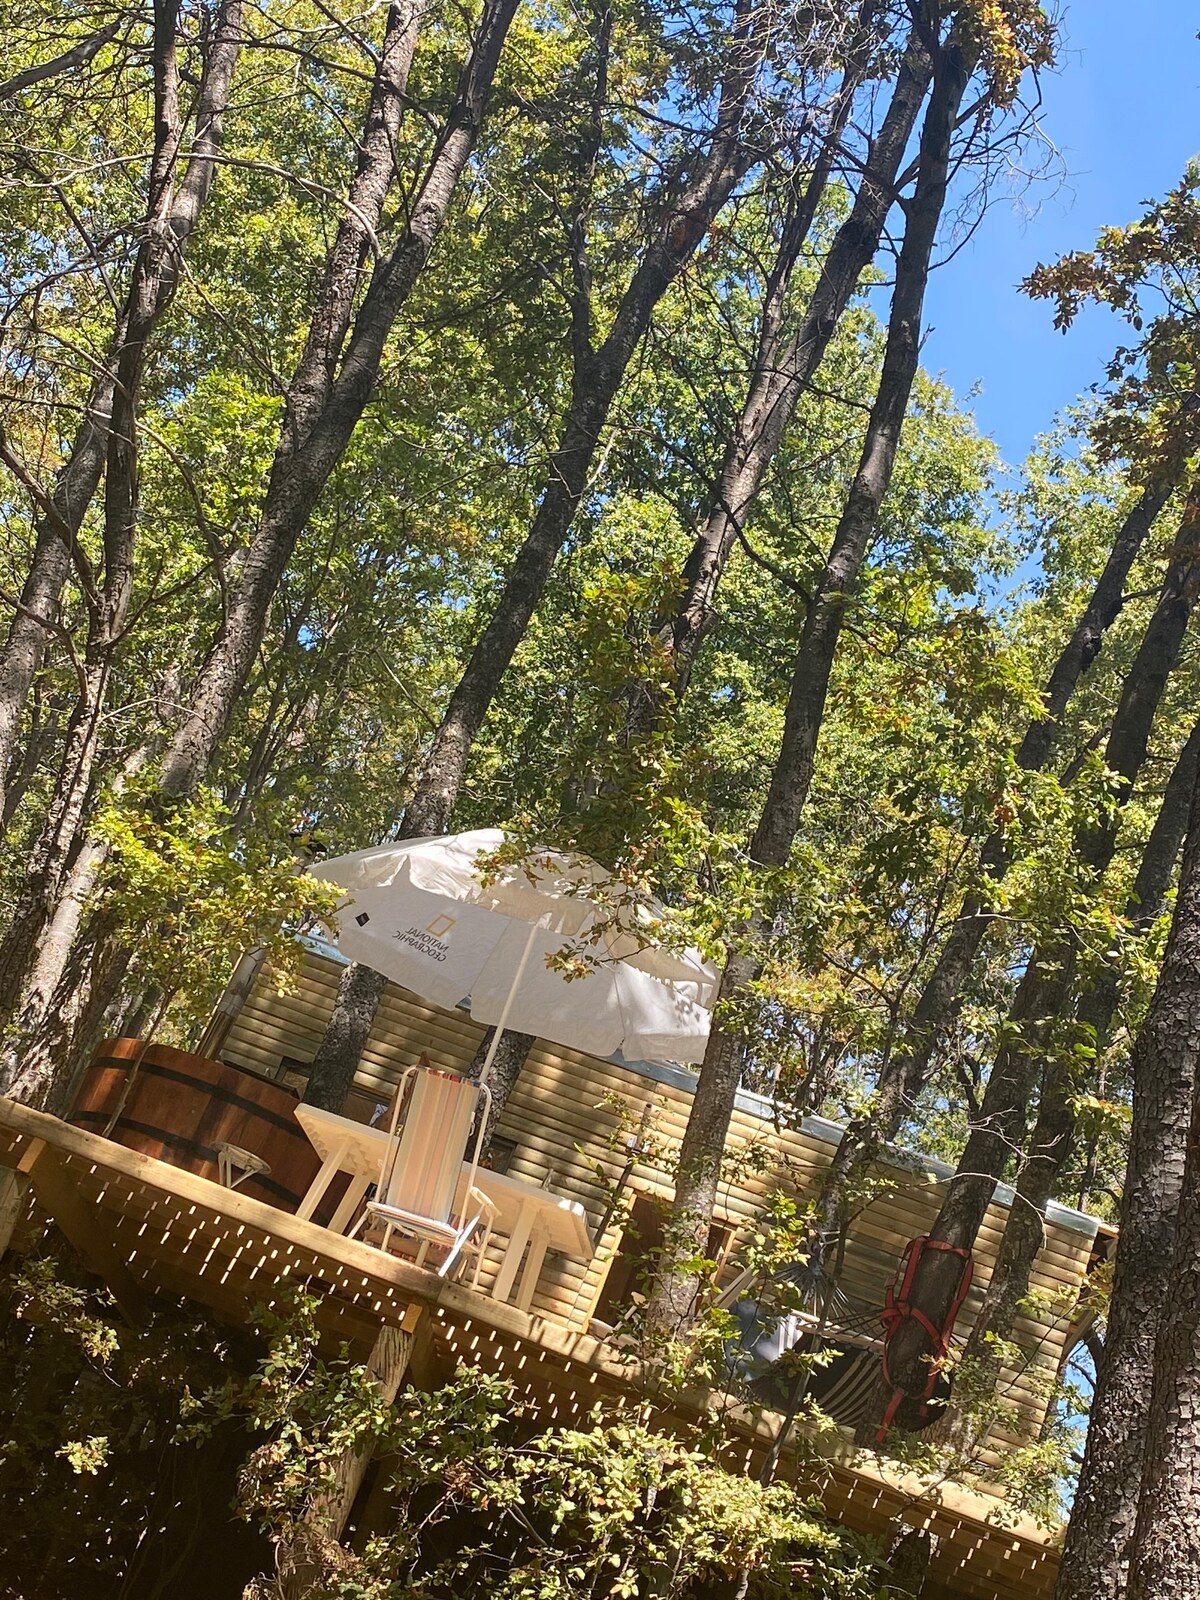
(1123, 112)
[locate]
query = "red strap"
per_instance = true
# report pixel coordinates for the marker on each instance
(897, 1309)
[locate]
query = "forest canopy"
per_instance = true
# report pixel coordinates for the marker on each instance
(421, 417)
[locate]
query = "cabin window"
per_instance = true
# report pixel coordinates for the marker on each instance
(501, 1154)
(640, 1242)
(292, 1071)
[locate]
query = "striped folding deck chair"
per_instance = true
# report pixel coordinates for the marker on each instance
(422, 1199)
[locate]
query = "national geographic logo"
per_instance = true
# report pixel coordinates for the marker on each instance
(431, 939)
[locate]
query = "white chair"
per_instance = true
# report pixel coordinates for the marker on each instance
(235, 1165)
(421, 1176)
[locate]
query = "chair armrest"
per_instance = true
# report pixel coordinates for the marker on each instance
(481, 1202)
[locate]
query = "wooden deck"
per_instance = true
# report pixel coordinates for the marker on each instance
(147, 1228)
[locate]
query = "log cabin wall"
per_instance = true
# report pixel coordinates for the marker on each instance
(567, 1121)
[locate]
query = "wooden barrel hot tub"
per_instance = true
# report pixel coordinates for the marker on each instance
(179, 1107)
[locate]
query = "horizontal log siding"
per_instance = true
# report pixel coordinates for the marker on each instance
(565, 1130)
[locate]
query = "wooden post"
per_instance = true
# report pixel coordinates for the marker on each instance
(14, 1192)
(303, 1568)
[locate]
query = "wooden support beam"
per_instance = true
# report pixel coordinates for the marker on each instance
(304, 1568)
(387, 1365)
(14, 1195)
(85, 1230)
(14, 1191)
(426, 1368)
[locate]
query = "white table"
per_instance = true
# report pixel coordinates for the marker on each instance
(343, 1146)
(534, 1219)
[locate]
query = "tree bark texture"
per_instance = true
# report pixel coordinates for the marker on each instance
(1146, 1410)
(995, 1138)
(596, 378)
(1145, 681)
(1165, 1553)
(1049, 1148)
(510, 1057)
(297, 478)
(1098, 1003)
(356, 1003)
(1148, 897)
(83, 1008)
(323, 412)
(69, 61)
(27, 1060)
(49, 858)
(792, 776)
(674, 1300)
(171, 219)
(359, 991)
(1095, 1556)
(1101, 612)
(316, 370)
(908, 1562)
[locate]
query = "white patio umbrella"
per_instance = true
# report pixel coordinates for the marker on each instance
(419, 913)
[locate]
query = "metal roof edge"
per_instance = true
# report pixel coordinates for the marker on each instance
(822, 1128)
(322, 947)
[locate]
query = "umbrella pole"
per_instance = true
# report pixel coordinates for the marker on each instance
(503, 1019)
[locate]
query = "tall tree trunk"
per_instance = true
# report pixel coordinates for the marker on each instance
(38, 1030)
(359, 991)
(1096, 1552)
(82, 1010)
(596, 379)
(1148, 896)
(1049, 1147)
(674, 1299)
(78, 479)
(906, 1068)
(323, 412)
(356, 1004)
(908, 1562)
(49, 1004)
(783, 367)
(60, 833)
(1042, 995)
(1147, 901)
(1052, 1141)
(313, 379)
(1143, 1429)
(50, 564)
(108, 588)
(511, 1054)
(41, 739)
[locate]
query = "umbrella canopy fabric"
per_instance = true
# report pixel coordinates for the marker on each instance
(420, 913)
